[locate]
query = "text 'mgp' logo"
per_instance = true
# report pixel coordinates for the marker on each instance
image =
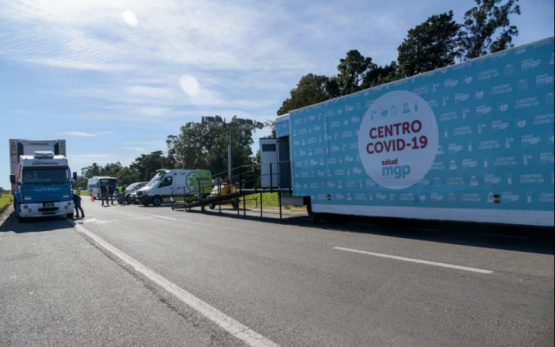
(397, 172)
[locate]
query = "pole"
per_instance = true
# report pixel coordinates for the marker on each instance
(229, 167)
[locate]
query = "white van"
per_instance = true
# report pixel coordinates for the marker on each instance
(169, 183)
(93, 184)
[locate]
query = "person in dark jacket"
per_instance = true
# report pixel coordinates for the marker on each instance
(104, 193)
(77, 205)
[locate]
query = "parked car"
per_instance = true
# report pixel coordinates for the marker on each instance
(131, 189)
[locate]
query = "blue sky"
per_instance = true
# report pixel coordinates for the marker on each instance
(115, 78)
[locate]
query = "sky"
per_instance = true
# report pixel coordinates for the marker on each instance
(115, 77)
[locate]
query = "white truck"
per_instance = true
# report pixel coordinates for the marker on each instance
(469, 142)
(168, 183)
(40, 179)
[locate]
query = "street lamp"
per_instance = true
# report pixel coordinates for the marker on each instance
(241, 123)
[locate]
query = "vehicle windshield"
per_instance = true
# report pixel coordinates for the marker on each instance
(45, 175)
(109, 181)
(155, 180)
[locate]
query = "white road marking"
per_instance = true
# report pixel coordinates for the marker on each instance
(419, 261)
(242, 332)
(168, 218)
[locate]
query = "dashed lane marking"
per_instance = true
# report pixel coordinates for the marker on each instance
(419, 261)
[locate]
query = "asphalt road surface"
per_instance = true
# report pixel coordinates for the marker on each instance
(134, 275)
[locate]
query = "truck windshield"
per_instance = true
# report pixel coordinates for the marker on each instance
(45, 175)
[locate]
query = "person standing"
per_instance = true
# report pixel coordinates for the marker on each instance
(104, 193)
(77, 205)
(111, 190)
(121, 193)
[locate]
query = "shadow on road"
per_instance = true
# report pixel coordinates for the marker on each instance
(496, 236)
(35, 225)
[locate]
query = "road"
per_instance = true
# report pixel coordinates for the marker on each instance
(134, 275)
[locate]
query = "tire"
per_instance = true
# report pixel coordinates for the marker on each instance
(235, 205)
(17, 216)
(212, 206)
(69, 215)
(127, 200)
(157, 201)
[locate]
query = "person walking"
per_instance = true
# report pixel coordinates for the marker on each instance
(77, 205)
(104, 193)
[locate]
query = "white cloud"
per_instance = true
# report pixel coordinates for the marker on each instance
(135, 149)
(77, 133)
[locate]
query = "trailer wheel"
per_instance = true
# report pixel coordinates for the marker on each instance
(212, 206)
(157, 201)
(235, 205)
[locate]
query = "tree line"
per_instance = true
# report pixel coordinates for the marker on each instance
(437, 42)
(195, 147)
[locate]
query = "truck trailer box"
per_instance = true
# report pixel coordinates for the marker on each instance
(469, 142)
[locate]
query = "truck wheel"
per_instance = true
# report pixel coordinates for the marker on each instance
(157, 201)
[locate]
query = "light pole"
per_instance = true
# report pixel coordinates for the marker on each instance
(242, 123)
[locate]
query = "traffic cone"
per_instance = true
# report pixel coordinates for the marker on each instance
(92, 196)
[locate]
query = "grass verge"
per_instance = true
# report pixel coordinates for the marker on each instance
(5, 200)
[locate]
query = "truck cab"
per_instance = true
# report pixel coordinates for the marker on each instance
(43, 183)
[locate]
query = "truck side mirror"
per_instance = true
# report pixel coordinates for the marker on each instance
(12, 179)
(75, 176)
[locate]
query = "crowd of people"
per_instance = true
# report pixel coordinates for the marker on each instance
(107, 193)
(106, 196)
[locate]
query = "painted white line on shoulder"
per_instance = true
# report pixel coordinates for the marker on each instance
(242, 332)
(168, 218)
(419, 261)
